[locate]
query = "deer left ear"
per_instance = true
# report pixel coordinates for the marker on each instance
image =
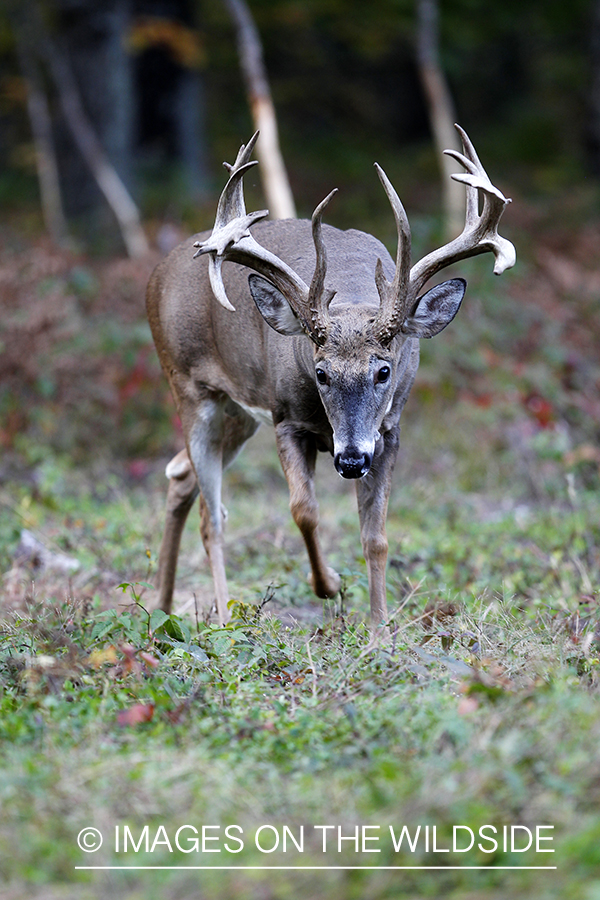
(273, 306)
(435, 309)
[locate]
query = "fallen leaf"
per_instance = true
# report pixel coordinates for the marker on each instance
(467, 705)
(149, 659)
(438, 609)
(135, 715)
(98, 658)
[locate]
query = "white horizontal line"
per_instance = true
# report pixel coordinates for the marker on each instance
(320, 868)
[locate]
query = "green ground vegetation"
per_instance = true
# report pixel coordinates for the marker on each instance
(477, 705)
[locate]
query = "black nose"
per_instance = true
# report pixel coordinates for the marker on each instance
(352, 463)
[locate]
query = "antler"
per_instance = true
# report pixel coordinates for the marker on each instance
(393, 295)
(231, 240)
(479, 235)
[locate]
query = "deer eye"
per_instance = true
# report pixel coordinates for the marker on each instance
(383, 375)
(322, 376)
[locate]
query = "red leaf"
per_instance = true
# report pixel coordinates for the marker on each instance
(136, 714)
(149, 659)
(541, 409)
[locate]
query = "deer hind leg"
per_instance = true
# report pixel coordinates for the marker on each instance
(183, 490)
(297, 452)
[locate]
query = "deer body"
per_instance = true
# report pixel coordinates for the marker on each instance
(331, 365)
(205, 349)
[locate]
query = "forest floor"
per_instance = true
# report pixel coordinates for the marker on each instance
(478, 705)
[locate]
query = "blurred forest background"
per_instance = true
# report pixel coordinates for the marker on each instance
(139, 101)
(159, 82)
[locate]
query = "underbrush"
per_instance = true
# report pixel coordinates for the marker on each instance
(475, 707)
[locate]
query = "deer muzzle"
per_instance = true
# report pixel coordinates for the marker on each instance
(352, 463)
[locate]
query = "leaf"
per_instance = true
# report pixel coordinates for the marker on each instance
(98, 658)
(456, 665)
(135, 715)
(176, 629)
(149, 659)
(197, 653)
(491, 691)
(419, 671)
(99, 630)
(447, 639)
(467, 705)
(171, 627)
(157, 618)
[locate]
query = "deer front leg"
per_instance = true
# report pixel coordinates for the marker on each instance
(373, 493)
(183, 490)
(297, 453)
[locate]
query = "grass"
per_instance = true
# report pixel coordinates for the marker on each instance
(476, 706)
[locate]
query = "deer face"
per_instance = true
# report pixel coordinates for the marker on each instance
(356, 378)
(355, 372)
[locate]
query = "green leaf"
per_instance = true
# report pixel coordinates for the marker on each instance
(99, 631)
(157, 618)
(173, 627)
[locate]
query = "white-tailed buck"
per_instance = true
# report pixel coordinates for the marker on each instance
(321, 339)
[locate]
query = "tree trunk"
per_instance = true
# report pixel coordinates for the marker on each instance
(190, 130)
(105, 174)
(41, 128)
(593, 125)
(272, 168)
(441, 112)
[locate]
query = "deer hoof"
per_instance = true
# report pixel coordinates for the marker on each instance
(327, 584)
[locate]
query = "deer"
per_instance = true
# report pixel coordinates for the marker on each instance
(316, 331)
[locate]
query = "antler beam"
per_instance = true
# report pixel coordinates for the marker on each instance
(479, 235)
(231, 240)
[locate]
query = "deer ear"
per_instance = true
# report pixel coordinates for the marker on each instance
(435, 309)
(273, 306)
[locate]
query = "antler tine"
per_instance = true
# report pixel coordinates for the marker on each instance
(318, 298)
(469, 158)
(480, 233)
(393, 295)
(231, 240)
(232, 222)
(244, 153)
(477, 180)
(236, 192)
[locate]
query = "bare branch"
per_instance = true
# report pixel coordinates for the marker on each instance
(41, 128)
(107, 178)
(440, 107)
(275, 181)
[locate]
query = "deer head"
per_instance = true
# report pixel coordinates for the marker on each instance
(356, 341)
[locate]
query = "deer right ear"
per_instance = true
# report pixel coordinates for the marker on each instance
(273, 306)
